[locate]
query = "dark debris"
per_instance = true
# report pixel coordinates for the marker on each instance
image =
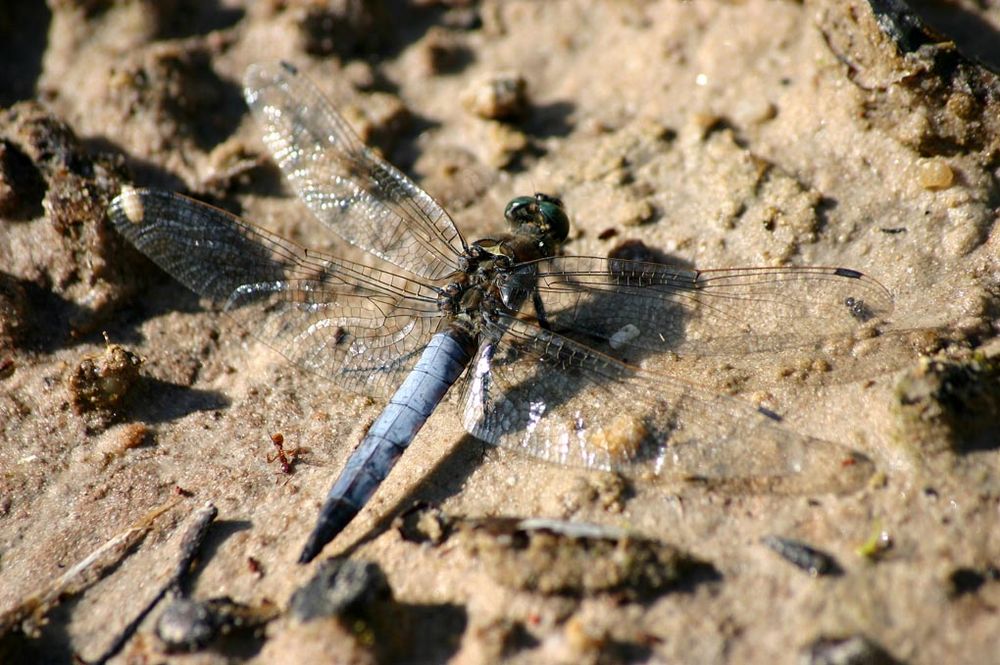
(190, 545)
(21, 184)
(342, 588)
(963, 581)
(806, 557)
(44, 169)
(853, 650)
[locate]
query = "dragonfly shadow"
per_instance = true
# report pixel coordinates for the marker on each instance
(446, 479)
(626, 333)
(603, 311)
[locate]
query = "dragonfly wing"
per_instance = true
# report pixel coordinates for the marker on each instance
(543, 394)
(732, 311)
(364, 199)
(362, 327)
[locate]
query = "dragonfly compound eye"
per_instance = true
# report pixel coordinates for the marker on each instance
(555, 219)
(520, 210)
(547, 213)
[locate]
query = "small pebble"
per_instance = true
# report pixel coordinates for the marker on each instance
(497, 97)
(186, 625)
(934, 174)
(341, 587)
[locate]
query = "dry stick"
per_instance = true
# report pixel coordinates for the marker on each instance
(30, 612)
(190, 543)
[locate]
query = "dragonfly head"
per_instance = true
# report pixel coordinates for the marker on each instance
(540, 214)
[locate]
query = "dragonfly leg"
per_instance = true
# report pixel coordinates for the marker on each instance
(536, 300)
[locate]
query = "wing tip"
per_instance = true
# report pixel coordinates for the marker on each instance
(265, 74)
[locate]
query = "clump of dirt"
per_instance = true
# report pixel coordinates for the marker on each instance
(100, 384)
(921, 88)
(955, 402)
(699, 135)
(500, 96)
(353, 600)
(608, 492)
(340, 27)
(565, 558)
(76, 255)
(14, 322)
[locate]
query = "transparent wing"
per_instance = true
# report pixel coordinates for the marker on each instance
(364, 328)
(365, 200)
(543, 394)
(735, 311)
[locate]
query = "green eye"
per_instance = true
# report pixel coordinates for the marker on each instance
(555, 218)
(545, 212)
(519, 210)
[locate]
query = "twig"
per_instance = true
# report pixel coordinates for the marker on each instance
(190, 544)
(30, 613)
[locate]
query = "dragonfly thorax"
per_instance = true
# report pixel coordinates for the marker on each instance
(490, 277)
(487, 262)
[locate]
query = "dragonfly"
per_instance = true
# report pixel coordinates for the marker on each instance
(547, 349)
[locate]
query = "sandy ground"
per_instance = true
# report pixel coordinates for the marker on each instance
(720, 133)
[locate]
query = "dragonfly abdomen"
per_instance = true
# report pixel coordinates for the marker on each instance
(439, 366)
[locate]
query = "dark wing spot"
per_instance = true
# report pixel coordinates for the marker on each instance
(847, 272)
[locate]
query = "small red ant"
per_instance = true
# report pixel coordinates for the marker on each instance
(284, 456)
